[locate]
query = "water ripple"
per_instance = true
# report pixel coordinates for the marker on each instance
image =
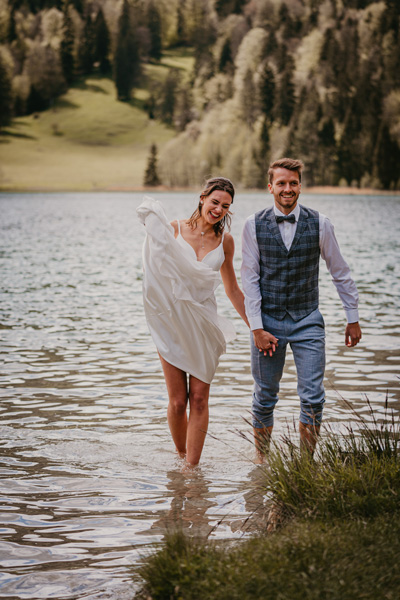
(89, 479)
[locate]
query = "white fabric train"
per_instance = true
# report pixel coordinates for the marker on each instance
(178, 298)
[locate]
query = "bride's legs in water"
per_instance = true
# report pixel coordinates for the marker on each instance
(178, 397)
(199, 392)
(188, 435)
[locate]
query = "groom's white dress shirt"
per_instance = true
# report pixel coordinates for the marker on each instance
(330, 252)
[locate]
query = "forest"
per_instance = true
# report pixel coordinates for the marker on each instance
(314, 79)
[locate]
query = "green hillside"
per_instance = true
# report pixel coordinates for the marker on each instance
(88, 140)
(315, 79)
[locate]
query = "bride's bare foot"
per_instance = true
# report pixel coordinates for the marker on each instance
(188, 467)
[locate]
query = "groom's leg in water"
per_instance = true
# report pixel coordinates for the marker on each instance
(307, 339)
(267, 373)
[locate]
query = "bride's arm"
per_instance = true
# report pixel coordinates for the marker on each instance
(228, 275)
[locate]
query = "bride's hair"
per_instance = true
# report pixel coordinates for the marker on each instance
(215, 183)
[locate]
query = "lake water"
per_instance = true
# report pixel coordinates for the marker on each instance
(89, 477)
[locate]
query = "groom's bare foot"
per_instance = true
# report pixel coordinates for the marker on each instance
(262, 441)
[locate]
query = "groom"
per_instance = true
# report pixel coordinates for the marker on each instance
(281, 248)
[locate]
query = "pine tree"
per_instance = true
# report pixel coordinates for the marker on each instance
(101, 43)
(267, 93)
(225, 59)
(248, 99)
(286, 98)
(203, 35)
(183, 113)
(181, 38)
(169, 95)
(67, 46)
(126, 59)
(86, 49)
(226, 7)
(151, 176)
(154, 25)
(6, 94)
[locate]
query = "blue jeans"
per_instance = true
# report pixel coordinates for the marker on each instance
(307, 340)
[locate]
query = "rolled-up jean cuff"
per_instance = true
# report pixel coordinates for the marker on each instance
(262, 417)
(312, 414)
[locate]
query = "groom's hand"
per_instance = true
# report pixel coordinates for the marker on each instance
(264, 341)
(352, 335)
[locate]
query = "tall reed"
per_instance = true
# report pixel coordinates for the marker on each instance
(353, 474)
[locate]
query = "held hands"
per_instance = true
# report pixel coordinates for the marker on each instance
(264, 341)
(352, 335)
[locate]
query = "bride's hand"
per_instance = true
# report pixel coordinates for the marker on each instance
(265, 341)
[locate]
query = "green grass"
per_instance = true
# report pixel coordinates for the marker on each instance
(354, 475)
(339, 534)
(318, 560)
(88, 140)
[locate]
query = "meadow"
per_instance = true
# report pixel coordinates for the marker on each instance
(88, 140)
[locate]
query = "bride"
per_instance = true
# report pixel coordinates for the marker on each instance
(183, 263)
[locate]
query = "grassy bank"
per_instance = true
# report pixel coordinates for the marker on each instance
(335, 560)
(88, 140)
(338, 537)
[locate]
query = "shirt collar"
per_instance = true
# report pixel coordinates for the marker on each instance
(295, 212)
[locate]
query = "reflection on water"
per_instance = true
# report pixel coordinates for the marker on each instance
(89, 479)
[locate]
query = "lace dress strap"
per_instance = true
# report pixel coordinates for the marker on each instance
(179, 227)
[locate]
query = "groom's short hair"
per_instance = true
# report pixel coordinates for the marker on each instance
(292, 164)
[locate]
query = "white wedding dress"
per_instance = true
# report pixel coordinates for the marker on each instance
(178, 297)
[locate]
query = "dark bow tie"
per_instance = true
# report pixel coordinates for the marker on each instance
(289, 218)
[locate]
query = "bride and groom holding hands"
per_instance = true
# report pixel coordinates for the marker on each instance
(183, 263)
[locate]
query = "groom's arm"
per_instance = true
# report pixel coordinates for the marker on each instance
(342, 279)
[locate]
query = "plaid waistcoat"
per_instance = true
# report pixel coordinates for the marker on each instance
(288, 278)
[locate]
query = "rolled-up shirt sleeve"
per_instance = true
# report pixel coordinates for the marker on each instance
(250, 273)
(339, 269)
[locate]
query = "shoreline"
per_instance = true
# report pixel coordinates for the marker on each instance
(312, 190)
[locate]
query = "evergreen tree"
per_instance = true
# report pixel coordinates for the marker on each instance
(43, 67)
(86, 48)
(303, 138)
(227, 7)
(101, 43)
(126, 59)
(151, 176)
(203, 34)
(271, 45)
(67, 46)
(350, 149)
(12, 28)
(248, 99)
(168, 95)
(154, 26)
(264, 153)
(282, 57)
(286, 98)
(267, 93)
(225, 59)
(388, 161)
(183, 112)
(6, 94)
(286, 22)
(181, 37)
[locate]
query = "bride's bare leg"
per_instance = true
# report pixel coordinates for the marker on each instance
(198, 419)
(178, 397)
